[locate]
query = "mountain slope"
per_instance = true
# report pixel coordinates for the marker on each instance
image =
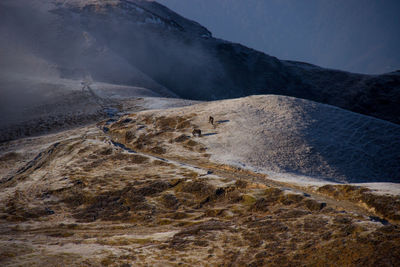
(280, 134)
(120, 41)
(85, 197)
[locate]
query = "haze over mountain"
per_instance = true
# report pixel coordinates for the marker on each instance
(127, 49)
(360, 36)
(108, 159)
(141, 43)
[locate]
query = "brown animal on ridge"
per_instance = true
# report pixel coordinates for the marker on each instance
(211, 120)
(196, 132)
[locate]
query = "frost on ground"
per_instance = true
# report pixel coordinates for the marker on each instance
(144, 44)
(140, 190)
(30, 106)
(88, 200)
(284, 134)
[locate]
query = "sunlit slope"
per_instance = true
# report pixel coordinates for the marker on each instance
(285, 134)
(84, 200)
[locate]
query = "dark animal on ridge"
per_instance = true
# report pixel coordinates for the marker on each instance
(196, 132)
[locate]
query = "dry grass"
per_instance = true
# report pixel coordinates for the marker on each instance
(386, 206)
(120, 208)
(9, 156)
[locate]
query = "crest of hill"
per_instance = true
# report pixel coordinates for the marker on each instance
(144, 44)
(286, 134)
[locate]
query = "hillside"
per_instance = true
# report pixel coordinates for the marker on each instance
(144, 44)
(141, 190)
(285, 134)
(107, 158)
(31, 106)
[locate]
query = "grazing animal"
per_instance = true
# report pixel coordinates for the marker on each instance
(196, 132)
(211, 120)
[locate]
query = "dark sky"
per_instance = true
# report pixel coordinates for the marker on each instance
(355, 35)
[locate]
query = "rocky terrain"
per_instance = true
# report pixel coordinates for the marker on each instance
(142, 191)
(102, 163)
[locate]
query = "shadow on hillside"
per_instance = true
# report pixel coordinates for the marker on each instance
(209, 134)
(352, 148)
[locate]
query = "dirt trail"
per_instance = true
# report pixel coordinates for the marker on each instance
(107, 201)
(230, 172)
(226, 171)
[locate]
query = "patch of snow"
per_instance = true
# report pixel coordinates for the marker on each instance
(112, 91)
(306, 141)
(165, 103)
(382, 188)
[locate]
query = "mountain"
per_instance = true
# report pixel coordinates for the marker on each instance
(358, 36)
(128, 49)
(142, 43)
(141, 190)
(119, 170)
(289, 135)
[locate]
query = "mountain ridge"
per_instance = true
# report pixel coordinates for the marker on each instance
(282, 134)
(119, 169)
(182, 56)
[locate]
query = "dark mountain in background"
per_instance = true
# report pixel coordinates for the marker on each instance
(142, 43)
(361, 36)
(113, 172)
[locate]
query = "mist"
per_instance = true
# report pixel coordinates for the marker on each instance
(21, 66)
(47, 49)
(360, 36)
(111, 49)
